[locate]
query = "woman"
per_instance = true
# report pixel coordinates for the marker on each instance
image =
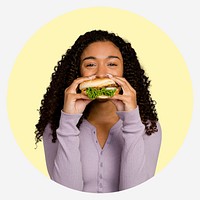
(94, 145)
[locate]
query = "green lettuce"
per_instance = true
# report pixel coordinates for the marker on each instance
(93, 93)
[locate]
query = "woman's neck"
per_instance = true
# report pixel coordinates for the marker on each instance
(102, 111)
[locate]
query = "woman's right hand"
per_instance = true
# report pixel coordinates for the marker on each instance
(75, 103)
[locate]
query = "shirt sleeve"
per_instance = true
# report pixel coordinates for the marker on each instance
(140, 151)
(63, 160)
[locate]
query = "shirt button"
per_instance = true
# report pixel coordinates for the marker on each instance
(100, 185)
(100, 176)
(101, 164)
(101, 152)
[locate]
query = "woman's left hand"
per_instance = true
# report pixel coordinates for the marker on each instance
(127, 101)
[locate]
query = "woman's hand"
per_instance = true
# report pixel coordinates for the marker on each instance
(75, 103)
(127, 101)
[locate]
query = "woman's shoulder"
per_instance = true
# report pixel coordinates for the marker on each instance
(47, 131)
(155, 138)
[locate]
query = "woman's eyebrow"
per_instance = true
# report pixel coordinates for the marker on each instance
(89, 57)
(94, 58)
(114, 57)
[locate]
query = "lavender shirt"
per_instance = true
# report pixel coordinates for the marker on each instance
(77, 161)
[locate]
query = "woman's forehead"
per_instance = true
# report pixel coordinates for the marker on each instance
(102, 49)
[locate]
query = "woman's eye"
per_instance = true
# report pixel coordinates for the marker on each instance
(112, 64)
(90, 65)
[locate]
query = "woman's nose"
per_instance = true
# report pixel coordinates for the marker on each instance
(101, 72)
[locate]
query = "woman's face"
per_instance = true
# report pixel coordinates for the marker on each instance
(100, 59)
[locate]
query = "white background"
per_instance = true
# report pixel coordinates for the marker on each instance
(19, 20)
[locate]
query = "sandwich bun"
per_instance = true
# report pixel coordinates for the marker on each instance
(97, 83)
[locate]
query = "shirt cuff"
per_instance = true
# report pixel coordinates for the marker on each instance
(68, 123)
(131, 119)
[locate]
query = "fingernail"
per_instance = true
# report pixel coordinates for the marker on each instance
(92, 77)
(110, 75)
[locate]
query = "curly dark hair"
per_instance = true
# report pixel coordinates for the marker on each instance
(68, 69)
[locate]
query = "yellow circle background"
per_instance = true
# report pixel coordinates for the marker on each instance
(162, 61)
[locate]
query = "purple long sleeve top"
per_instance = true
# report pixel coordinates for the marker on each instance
(77, 161)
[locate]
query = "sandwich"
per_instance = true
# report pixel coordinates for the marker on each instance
(99, 88)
